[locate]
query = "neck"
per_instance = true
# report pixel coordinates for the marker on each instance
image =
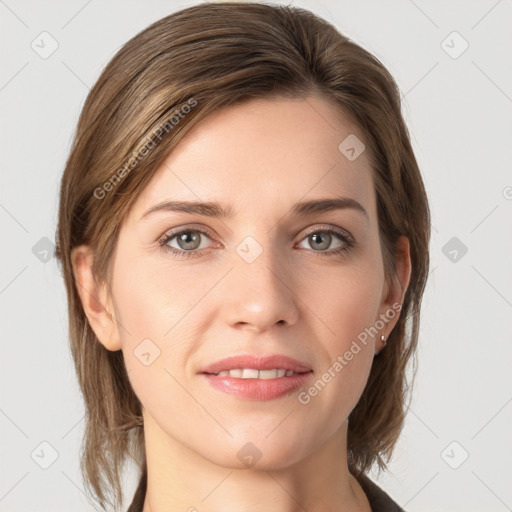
(181, 479)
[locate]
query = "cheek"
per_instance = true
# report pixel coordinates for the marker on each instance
(347, 301)
(345, 298)
(153, 298)
(347, 304)
(158, 316)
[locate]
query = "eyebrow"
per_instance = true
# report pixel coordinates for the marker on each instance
(217, 210)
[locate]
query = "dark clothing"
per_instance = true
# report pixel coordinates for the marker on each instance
(378, 499)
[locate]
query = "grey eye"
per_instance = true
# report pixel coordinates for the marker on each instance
(320, 240)
(187, 240)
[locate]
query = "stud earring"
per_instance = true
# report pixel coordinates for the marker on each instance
(383, 339)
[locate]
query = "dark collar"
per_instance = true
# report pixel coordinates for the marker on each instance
(379, 500)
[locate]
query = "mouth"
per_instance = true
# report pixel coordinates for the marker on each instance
(258, 378)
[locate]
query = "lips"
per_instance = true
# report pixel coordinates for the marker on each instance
(258, 389)
(258, 363)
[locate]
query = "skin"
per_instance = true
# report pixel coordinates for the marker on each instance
(261, 157)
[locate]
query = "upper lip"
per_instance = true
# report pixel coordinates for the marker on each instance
(276, 361)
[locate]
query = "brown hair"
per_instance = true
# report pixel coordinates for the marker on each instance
(208, 57)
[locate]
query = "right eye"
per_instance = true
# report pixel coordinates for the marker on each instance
(188, 242)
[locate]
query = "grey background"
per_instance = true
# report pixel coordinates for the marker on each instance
(459, 114)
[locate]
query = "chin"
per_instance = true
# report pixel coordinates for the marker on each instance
(259, 453)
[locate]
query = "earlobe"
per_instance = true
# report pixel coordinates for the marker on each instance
(94, 298)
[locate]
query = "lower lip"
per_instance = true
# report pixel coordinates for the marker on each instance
(258, 389)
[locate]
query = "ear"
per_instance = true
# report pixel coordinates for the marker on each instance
(394, 292)
(95, 299)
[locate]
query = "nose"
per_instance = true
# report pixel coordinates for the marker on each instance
(261, 293)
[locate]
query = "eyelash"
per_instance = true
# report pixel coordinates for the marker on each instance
(348, 242)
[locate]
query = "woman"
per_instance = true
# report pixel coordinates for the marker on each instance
(241, 366)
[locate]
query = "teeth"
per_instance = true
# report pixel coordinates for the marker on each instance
(251, 373)
(268, 374)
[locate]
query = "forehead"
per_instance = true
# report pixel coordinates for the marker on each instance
(264, 153)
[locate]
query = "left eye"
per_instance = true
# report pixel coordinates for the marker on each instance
(323, 238)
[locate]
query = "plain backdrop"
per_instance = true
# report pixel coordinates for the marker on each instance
(452, 62)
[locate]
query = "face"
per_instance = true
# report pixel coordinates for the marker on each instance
(266, 279)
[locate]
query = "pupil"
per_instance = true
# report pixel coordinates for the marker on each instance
(187, 238)
(317, 237)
